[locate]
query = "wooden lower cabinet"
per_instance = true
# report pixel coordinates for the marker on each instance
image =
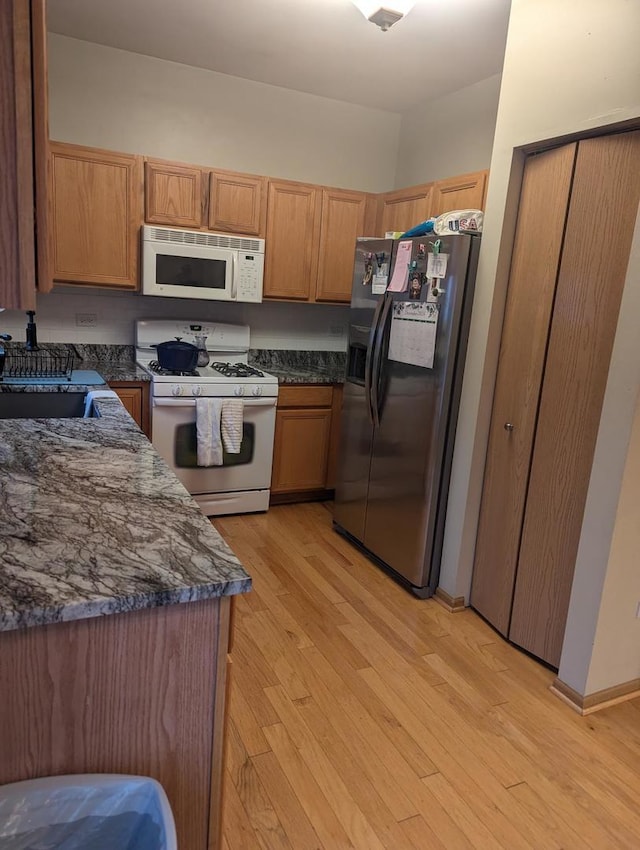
(305, 440)
(134, 396)
(141, 692)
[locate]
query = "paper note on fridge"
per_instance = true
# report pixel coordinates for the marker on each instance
(400, 276)
(413, 333)
(437, 265)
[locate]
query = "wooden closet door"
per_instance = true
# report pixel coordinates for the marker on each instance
(600, 224)
(542, 213)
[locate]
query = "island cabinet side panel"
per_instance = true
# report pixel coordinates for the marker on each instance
(128, 693)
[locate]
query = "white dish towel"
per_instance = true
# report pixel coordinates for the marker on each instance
(231, 425)
(209, 443)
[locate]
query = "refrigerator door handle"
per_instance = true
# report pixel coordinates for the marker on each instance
(377, 361)
(368, 362)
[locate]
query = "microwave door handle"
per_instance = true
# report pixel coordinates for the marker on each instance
(234, 277)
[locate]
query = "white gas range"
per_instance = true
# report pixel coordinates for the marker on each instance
(242, 483)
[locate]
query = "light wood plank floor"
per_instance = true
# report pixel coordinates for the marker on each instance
(363, 718)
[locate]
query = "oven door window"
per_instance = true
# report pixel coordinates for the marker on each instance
(191, 271)
(186, 449)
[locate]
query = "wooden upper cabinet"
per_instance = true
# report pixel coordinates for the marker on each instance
(173, 194)
(342, 221)
(404, 208)
(96, 216)
(23, 154)
(237, 203)
(293, 229)
(466, 192)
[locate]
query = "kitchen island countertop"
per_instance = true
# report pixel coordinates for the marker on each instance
(93, 522)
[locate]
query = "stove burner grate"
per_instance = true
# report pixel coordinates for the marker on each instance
(237, 370)
(157, 369)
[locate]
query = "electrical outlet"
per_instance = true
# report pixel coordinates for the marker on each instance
(336, 330)
(86, 320)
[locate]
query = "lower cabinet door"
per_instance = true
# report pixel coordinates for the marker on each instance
(135, 399)
(301, 450)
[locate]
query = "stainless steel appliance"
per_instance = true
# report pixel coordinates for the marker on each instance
(197, 264)
(404, 373)
(242, 484)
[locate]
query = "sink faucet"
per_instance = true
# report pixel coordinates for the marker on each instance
(32, 339)
(5, 338)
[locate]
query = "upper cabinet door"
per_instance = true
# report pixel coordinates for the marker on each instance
(404, 208)
(237, 203)
(466, 192)
(342, 221)
(293, 228)
(173, 194)
(96, 216)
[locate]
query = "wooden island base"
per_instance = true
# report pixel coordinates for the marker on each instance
(139, 693)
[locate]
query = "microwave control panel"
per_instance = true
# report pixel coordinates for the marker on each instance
(250, 273)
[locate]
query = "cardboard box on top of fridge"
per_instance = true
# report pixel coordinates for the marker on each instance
(393, 234)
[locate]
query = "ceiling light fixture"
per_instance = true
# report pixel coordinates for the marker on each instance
(384, 16)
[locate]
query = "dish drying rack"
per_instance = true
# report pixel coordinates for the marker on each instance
(37, 364)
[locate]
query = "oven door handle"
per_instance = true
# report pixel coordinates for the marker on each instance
(191, 402)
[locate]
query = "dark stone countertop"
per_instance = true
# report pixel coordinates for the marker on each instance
(93, 522)
(301, 367)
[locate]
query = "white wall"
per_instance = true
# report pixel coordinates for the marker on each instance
(448, 135)
(109, 98)
(571, 66)
(308, 327)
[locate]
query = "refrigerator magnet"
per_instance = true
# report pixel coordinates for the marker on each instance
(368, 273)
(415, 286)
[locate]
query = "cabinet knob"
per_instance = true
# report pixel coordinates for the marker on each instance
(508, 426)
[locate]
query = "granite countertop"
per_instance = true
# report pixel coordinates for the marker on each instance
(113, 362)
(301, 367)
(93, 522)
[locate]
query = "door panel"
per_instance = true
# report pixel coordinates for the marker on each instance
(543, 208)
(459, 193)
(238, 203)
(409, 445)
(173, 194)
(405, 208)
(590, 284)
(342, 222)
(291, 260)
(301, 450)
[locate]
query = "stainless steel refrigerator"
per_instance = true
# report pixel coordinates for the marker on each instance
(404, 374)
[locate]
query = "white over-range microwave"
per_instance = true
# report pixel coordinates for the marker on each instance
(197, 264)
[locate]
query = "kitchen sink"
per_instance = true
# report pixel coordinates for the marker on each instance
(42, 405)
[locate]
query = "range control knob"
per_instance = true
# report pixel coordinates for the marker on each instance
(256, 390)
(196, 389)
(176, 390)
(238, 390)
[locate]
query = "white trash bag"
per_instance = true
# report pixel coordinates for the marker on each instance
(96, 811)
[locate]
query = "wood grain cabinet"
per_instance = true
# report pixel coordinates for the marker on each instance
(96, 216)
(404, 208)
(134, 396)
(237, 203)
(293, 233)
(173, 194)
(179, 195)
(24, 136)
(305, 446)
(342, 220)
(466, 191)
